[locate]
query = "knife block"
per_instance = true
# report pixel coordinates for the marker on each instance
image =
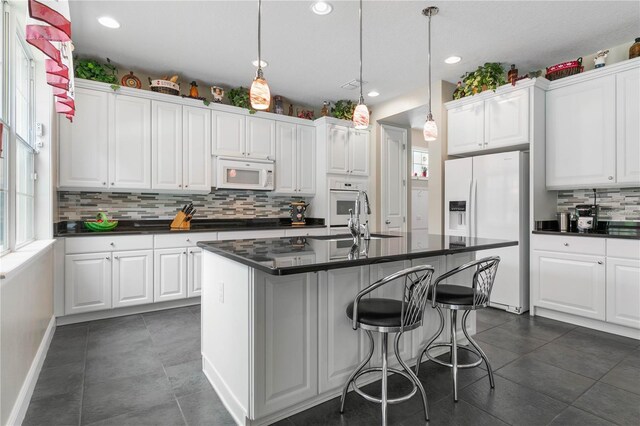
(179, 222)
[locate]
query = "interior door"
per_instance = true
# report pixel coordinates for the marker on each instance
(496, 212)
(166, 145)
(394, 179)
(197, 149)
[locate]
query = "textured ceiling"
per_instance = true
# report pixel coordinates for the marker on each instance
(311, 56)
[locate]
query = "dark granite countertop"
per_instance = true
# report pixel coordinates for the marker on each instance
(294, 255)
(596, 234)
(606, 229)
(142, 227)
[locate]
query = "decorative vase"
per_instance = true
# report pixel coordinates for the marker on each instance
(634, 50)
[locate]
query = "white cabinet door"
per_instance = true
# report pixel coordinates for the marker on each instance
(340, 348)
(130, 143)
(194, 272)
(623, 291)
(286, 341)
(132, 278)
(286, 147)
(261, 138)
(166, 145)
(506, 119)
(228, 134)
(306, 161)
(465, 128)
(196, 135)
(570, 283)
(170, 274)
(338, 149)
(628, 129)
(581, 134)
(84, 144)
(358, 152)
(87, 282)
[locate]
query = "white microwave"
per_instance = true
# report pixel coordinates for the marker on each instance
(238, 173)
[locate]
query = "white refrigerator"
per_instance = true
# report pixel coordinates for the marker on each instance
(488, 197)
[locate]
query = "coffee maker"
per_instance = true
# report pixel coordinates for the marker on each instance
(587, 215)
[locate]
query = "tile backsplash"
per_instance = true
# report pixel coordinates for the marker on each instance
(220, 204)
(615, 204)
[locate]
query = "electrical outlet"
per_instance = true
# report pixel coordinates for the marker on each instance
(221, 292)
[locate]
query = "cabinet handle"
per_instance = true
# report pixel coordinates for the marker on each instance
(180, 186)
(186, 186)
(112, 183)
(610, 178)
(248, 154)
(188, 240)
(184, 252)
(480, 144)
(388, 222)
(566, 244)
(599, 262)
(104, 183)
(108, 258)
(112, 244)
(116, 257)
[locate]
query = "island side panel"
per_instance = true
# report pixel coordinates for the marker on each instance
(225, 331)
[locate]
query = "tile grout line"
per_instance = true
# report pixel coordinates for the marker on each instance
(84, 375)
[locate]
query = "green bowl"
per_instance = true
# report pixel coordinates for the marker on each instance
(101, 226)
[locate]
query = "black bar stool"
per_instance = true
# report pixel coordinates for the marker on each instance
(390, 316)
(461, 298)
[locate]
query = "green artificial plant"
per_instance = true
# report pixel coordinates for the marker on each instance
(489, 76)
(240, 97)
(90, 69)
(343, 109)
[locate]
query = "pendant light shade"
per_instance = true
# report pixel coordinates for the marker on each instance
(259, 94)
(361, 113)
(430, 131)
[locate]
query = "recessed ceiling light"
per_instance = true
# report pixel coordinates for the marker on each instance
(321, 8)
(263, 63)
(109, 22)
(452, 60)
(373, 94)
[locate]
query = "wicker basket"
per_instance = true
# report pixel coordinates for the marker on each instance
(564, 69)
(165, 86)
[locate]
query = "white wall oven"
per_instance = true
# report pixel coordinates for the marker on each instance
(342, 197)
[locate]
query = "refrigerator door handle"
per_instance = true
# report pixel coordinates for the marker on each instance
(474, 213)
(469, 212)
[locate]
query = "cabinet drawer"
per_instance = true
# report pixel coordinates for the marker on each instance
(627, 249)
(111, 243)
(301, 232)
(182, 239)
(248, 235)
(570, 244)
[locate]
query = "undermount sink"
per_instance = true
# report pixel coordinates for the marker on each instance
(343, 237)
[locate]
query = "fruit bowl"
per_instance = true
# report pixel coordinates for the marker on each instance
(101, 224)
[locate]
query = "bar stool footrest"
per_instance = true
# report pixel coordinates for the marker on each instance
(378, 400)
(446, 364)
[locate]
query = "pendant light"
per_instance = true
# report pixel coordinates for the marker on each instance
(259, 94)
(361, 113)
(430, 130)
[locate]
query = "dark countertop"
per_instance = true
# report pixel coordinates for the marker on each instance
(596, 234)
(142, 227)
(294, 255)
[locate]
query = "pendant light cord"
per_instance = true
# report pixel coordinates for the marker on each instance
(259, 38)
(361, 97)
(429, 115)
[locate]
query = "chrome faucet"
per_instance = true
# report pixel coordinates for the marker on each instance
(355, 227)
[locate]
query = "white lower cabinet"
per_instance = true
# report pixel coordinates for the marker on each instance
(340, 348)
(623, 291)
(87, 282)
(194, 272)
(170, 274)
(285, 341)
(132, 278)
(571, 283)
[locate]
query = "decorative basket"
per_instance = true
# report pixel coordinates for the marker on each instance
(165, 86)
(564, 69)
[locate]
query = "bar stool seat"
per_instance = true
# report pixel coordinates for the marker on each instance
(387, 316)
(453, 295)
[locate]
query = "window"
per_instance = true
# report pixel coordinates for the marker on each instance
(420, 166)
(4, 49)
(25, 195)
(23, 91)
(4, 190)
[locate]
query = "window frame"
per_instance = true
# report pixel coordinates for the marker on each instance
(422, 151)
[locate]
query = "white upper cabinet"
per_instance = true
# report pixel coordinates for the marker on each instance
(358, 152)
(166, 145)
(228, 134)
(196, 151)
(306, 162)
(506, 119)
(286, 147)
(465, 128)
(261, 138)
(581, 134)
(130, 143)
(337, 144)
(83, 154)
(628, 127)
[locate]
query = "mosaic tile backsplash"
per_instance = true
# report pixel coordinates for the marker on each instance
(220, 204)
(615, 204)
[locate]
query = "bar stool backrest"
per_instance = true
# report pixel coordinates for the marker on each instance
(483, 279)
(417, 281)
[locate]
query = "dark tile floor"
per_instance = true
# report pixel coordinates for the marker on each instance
(146, 370)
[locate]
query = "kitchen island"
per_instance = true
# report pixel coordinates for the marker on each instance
(275, 337)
